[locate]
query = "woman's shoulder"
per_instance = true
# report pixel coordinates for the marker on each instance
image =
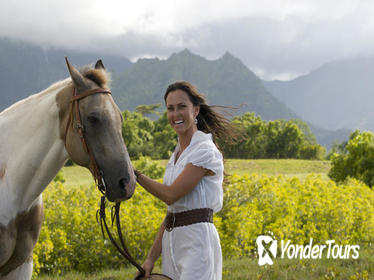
(204, 153)
(203, 144)
(201, 139)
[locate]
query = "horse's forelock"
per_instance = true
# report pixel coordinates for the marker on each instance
(99, 76)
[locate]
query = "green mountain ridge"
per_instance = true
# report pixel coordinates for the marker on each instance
(225, 81)
(334, 96)
(26, 69)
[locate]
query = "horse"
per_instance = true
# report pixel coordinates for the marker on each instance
(37, 136)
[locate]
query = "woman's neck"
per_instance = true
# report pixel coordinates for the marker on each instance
(185, 138)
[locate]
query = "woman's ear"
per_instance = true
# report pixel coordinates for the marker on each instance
(197, 110)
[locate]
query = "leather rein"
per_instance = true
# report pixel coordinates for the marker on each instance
(76, 122)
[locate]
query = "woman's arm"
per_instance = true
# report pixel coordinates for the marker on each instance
(183, 184)
(154, 252)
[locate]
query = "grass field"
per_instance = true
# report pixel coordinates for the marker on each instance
(247, 268)
(76, 175)
(288, 167)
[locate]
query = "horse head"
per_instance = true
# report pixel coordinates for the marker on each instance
(97, 120)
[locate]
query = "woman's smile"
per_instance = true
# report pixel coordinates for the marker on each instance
(179, 122)
(181, 112)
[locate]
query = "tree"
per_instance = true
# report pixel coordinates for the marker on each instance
(148, 110)
(252, 143)
(164, 138)
(144, 137)
(308, 134)
(137, 134)
(356, 160)
(312, 151)
(273, 139)
(290, 140)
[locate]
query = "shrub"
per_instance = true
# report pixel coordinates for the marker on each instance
(59, 177)
(356, 160)
(150, 168)
(294, 210)
(71, 239)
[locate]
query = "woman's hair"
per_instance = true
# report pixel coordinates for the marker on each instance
(208, 119)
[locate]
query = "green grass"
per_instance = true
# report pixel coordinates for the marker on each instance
(78, 176)
(287, 167)
(248, 268)
(362, 268)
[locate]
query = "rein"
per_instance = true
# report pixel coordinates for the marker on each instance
(76, 122)
(121, 248)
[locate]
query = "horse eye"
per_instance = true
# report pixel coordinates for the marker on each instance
(93, 119)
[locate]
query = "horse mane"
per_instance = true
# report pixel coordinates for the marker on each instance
(99, 76)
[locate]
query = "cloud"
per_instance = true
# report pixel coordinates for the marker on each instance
(276, 39)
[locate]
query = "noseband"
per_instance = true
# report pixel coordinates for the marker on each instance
(76, 122)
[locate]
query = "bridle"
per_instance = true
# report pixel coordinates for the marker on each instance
(76, 122)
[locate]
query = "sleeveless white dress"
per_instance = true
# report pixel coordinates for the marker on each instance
(194, 252)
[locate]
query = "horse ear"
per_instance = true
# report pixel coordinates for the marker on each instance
(99, 64)
(75, 75)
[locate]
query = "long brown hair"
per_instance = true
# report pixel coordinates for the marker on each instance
(209, 120)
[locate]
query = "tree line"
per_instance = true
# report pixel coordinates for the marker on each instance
(146, 132)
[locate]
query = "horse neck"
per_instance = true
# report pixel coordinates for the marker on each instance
(31, 151)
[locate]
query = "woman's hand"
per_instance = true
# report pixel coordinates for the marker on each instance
(137, 175)
(148, 267)
(137, 172)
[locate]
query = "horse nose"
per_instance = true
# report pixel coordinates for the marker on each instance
(123, 182)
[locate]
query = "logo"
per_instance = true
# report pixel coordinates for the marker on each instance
(266, 249)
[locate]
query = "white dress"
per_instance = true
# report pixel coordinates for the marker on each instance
(194, 252)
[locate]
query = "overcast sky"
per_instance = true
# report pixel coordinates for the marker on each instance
(275, 39)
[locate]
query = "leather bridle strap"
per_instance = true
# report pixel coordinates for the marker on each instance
(121, 248)
(76, 122)
(89, 92)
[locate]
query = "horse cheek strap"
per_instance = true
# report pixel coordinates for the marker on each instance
(75, 120)
(99, 180)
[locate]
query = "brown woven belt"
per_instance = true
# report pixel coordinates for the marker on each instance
(190, 217)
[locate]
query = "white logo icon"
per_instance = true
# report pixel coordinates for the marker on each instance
(267, 249)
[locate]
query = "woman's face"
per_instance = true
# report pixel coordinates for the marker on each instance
(181, 112)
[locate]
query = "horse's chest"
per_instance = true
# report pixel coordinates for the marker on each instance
(18, 238)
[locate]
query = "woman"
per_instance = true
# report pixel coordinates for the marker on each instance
(192, 188)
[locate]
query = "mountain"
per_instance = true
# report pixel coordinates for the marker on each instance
(225, 81)
(337, 95)
(26, 69)
(328, 138)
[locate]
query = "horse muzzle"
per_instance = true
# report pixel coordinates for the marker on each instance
(121, 189)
